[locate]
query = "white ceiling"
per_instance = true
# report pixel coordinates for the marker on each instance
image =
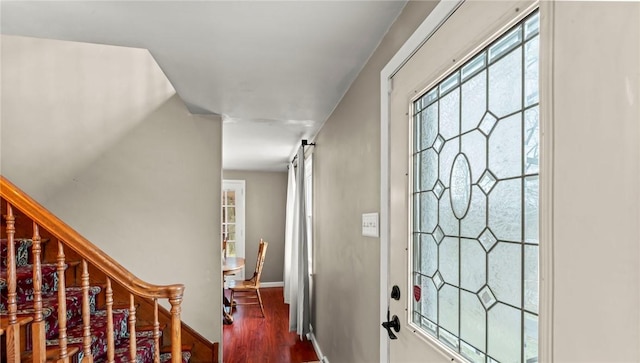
(274, 70)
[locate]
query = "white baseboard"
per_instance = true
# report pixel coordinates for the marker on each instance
(272, 284)
(316, 347)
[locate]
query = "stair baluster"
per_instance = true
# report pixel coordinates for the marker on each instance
(176, 338)
(38, 327)
(132, 328)
(62, 305)
(156, 332)
(13, 329)
(86, 315)
(110, 342)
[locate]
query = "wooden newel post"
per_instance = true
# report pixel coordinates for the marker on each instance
(176, 338)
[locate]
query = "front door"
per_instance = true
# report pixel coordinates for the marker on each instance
(463, 184)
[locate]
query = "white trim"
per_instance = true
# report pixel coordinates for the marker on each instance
(316, 346)
(272, 284)
(545, 253)
(440, 13)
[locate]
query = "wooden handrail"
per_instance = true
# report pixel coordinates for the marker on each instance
(87, 250)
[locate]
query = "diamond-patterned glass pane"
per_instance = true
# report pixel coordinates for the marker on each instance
(437, 280)
(487, 239)
(487, 123)
(486, 297)
(438, 189)
(487, 181)
(476, 202)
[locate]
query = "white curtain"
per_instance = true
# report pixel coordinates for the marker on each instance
(296, 266)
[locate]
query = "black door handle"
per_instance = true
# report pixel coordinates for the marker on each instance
(394, 324)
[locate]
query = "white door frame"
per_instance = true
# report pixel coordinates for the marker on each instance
(436, 18)
(238, 185)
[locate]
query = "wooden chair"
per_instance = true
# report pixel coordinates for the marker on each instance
(251, 286)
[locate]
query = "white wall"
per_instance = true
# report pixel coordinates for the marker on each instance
(98, 136)
(346, 184)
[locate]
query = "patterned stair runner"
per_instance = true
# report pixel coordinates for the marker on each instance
(145, 345)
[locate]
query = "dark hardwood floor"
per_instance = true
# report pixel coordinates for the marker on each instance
(253, 339)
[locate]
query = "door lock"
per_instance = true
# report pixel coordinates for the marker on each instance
(395, 292)
(394, 324)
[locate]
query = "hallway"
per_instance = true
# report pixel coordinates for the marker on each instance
(252, 339)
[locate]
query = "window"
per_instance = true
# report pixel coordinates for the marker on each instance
(475, 203)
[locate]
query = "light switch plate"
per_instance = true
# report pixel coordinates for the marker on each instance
(370, 224)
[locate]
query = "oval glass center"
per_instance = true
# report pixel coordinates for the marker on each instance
(460, 191)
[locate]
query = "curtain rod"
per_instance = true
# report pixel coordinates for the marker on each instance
(304, 143)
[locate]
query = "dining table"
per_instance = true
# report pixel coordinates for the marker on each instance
(230, 265)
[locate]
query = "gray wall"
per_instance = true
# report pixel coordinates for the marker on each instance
(347, 184)
(265, 207)
(98, 135)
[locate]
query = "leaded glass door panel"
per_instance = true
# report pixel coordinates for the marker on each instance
(469, 259)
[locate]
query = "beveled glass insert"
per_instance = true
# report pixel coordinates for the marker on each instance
(448, 296)
(531, 211)
(532, 26)
(505, 276)
(473, 66)
(438, 189)
(460, 190)
(531, 278)
(473, 265)
(487, 181)
(429, 211)
(429, 255)
(505, 43)
(487, 239)
(448, 338)
(486, 297)
(449, 83)
(447, 155)
(531, 67)
(428, 169)
(474, 147)
(449, 257)
(473, 320)
(474, 101)
(505, 210)
(429, 126)
(476, 218)
(448, 222)
(429, 300)
(438, 235)
(476, 202)
(437, 280)
(531, 141)
(437, 145)
(450, 115)
(505, 84)
(504, 333)
(487, 123)
(417, 306)
(505, 148)
(530, 337)
(429, 325)
(472, 354)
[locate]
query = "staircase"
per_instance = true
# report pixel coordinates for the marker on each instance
(64, 300)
